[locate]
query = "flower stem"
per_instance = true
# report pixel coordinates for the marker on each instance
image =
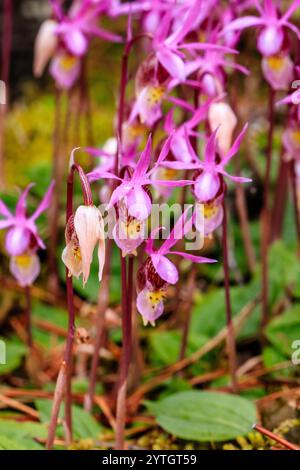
(275, 437)
(296, 203)
(28, 316)
(265, 214)
(103, 302)
(231, 346)
(63, 383)
(280, 198)
(126, 351)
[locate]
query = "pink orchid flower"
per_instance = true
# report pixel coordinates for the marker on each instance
(158, 271)
(271, 37)
(294, 97)
(168, 48)
(75, 29)
(23, 233)
(208, 182)
(131, 191)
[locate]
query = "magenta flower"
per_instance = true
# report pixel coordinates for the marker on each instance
(75, 29)
(168, 49)
(271, 37)
(158, 271)
(131, 191)
(211, 170)
(22, 239)
(23, 232)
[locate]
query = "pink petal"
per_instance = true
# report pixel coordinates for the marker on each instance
(245, 22)
(206, 186)
(76, 42)
(165, 268)
(149, 312)
(194, 258)
(143, 162)
(45, 202)
(270, 40)
(17, 241)
(25, 269)
(4, 211)
(235, 147)
(172, 63)
(21, 204)
(138, 203)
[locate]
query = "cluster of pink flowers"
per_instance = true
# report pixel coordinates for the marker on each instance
(190, 48)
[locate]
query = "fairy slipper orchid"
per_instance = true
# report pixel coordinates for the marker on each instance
(158, 271)
(23, 233)
(168, 49)
(131, 192)
(271, 37)
(25, 268)
(83, 232)
(221, 115)
(80, 24)
(209, 172)
(45, 46)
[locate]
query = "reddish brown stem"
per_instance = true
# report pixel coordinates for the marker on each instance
(265, 214)
(231, 346)
(295, 203)
(28, 316)
(275, 437)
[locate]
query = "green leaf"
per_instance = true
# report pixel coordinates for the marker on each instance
(204, 416)
(209, 316)
(15, 351)
(285, 329)
(165, 345)
(84, 425)
(21, 435)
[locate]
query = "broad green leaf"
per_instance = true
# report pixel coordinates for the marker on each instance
(21, 435)
(165, 345)
(209, 316)
(84, 425)
(204, 416)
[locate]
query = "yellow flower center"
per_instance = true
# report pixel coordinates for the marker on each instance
(295, 135)
(68, 62)
(77, 253)
(155, 94)
(276, 63)
(23, 261)
(210, 210)
(132, 229)
(155, 297)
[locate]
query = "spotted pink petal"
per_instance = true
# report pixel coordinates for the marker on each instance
(149, 312)
(25, 274)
